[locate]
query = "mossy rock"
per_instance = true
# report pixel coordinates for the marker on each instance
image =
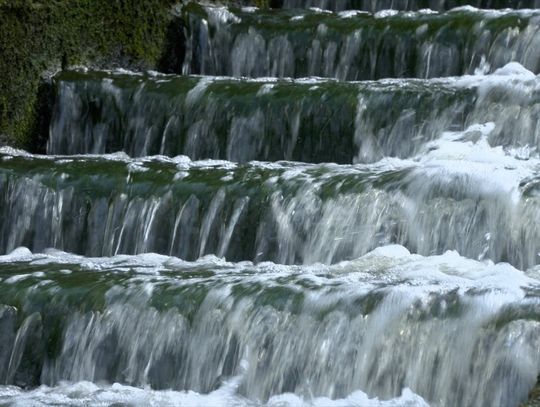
(534, 396)
(40, 37)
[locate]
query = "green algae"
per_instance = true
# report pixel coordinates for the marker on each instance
(41, 37)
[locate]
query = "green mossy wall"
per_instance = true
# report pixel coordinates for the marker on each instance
(534, 396)
(37, 38)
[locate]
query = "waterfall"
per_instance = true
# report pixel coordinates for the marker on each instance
(330, 204)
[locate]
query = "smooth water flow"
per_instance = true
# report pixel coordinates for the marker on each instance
(308, 120)
(378, 5)
(355, 45)
(326, 208)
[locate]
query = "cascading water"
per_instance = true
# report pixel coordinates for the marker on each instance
(356, 45)
(287, 213)
(378, 5)
(243, 120)
(383, 250)
(312, 331)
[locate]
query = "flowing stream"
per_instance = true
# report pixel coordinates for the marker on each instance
(335, 204)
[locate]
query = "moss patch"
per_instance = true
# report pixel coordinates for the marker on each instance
(534, 396)
(40, 37)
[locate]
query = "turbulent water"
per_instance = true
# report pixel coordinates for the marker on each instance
(275, 238)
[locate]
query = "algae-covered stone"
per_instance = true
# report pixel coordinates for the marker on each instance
(534, 396)
(40, 37)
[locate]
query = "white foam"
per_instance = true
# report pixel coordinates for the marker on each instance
(351, 13)
(427, 11)
(19, 254)
(386, 13)
(515, 69)
(494, 13)
(357, 398)
(510, 75)
(17, 278)
(181, 159)
(10, 151)
(87, 393)
(489, 169)
(136, 167)
(319, 10)
(393, 264)
(219, 14)
(392, 251)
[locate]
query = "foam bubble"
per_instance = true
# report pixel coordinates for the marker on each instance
(86, 393)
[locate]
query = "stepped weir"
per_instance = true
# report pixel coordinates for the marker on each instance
(331, 203)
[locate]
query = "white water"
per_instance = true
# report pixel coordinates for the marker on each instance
(424, 302)
(460, 192)
(87, 393)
